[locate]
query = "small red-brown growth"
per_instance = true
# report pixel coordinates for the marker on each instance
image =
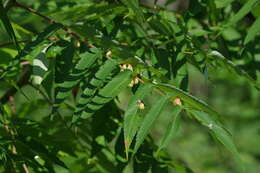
(177, 101)
(178, 15)
(126, 143)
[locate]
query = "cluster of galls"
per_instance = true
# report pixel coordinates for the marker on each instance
(135, 80)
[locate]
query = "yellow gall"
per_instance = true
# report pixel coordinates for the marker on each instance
(126, 67)
(129, 67)
(77, 44)
(131, 84)
(136, 80)
(140, 104)
(124, 44)
(123, 67)
(109, 54)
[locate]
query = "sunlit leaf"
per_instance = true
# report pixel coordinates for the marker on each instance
(253, 31)
(222, 3)
(40, 67)
(7, 24)
(247, 7)
(187, 98)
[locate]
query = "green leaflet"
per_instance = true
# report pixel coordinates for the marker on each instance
(39, 149)
(131, 118)
(222, 3)
(43, 36)
(191, 100)
(172, 128)
(7, 24)
(219, 132)
(253, 30)
(76, 13)
(76, 74)
(95, 83)
(230, 65)
(106, 94)
(18, 88)
(40, 67)
(161, 26)
(116, 85)
(134, 6)
(249, 5)
(148, 121)
(180, 168)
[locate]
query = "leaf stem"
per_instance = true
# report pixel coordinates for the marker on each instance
(22, 81)
(66, 29)
(11, 43)
(17, 4)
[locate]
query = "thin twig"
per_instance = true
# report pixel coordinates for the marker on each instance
(11, 43)
(66, 29)
(13, 133)
(23, 81)
(42, 93)
(25, 168)
(23, 41)
(17, 4)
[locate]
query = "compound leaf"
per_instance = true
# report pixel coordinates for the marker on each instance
(149, 120)
(230, 65)
(131, 117)
(76, 74)
(107, 93)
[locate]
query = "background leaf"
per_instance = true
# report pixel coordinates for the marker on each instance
(220, 133)
(253, 31)
(113, 67)
(230, 65)
(134, 6)
(247, 7)
(7, 25)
